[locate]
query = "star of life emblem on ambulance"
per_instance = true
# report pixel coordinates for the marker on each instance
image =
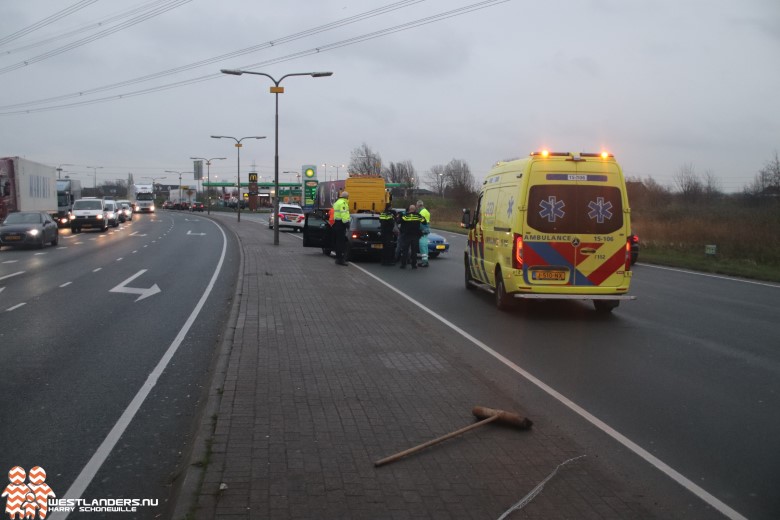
(552, 208)
(600, 210)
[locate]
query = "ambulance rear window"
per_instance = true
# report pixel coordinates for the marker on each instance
(592, 210)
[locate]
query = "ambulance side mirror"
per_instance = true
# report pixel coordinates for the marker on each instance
(466, 220)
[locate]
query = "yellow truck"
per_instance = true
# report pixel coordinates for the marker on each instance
(552, 226)
(367, 193)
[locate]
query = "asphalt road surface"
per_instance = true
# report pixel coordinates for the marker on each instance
(85, 329)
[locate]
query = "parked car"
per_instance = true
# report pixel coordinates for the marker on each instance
(167, 205)
(364, 237)
(633, 240)
(437, 244)
(197, 206)
(290, 216)
(28, 228)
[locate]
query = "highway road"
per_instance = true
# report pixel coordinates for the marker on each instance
(107, 341)
(677, 389)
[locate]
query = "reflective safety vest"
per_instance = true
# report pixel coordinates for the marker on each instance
(341, 210)
(426, 215)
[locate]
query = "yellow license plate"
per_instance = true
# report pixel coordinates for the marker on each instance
(441, 246)
(13, 237)
(376, 246)
(556, 276)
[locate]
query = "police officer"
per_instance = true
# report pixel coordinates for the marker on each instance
(410, 236)
(386, 226)
(425, 227)
(340, 225)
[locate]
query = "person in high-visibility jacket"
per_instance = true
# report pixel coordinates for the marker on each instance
(386, 227)
(410, 236)
(340, 226)
(425, 227)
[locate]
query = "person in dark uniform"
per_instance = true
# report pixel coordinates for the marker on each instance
(411, 231)
(386, 226)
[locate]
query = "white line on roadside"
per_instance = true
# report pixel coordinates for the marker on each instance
(104, 450)
(707, 275)
(96, 270)
(9, 309)
(66, 284)
(11, 275)
(595, 421)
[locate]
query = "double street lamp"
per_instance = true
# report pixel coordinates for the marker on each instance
(94, 182)
(238, 174)
(208, 178)
(179, 174)
(276, 89)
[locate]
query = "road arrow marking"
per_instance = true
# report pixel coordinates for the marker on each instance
(198, 234)
(144, 293)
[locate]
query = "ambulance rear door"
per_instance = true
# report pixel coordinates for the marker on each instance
(574, 220)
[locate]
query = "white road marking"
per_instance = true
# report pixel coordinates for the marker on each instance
(9, 309)
(104, 450)
(11, 275)
(66, 284)
(96, 270)
(707, 275)
(595, 421)
(143, 293)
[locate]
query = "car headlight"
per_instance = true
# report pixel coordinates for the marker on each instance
(34, 232)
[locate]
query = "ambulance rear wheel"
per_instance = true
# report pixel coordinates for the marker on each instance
(503, 301)
(605, 306)
(468, 277)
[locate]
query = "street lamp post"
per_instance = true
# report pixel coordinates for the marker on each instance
(59, 169)
(208, 178)
(238, 173)
(94, 182)
(179, 174)
(337, 170)
(276, 90)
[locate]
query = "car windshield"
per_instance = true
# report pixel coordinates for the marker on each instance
(23, 218)
(290, 209)
(87, 204)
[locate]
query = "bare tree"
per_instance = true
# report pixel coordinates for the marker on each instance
(400, 172)
(688, 183)
(460, 181)
(364, 161)
(712, 189)
(767, 181)
(436, 180)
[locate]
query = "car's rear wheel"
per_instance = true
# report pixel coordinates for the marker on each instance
(56, 239)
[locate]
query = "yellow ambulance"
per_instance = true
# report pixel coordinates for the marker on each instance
(553, 225)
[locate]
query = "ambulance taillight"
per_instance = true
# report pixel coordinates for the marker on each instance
(628, 254)
(517, 252)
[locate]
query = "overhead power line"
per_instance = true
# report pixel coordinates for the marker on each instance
(46, 21)
(209, 61)
(316, 50)
(85, 28)
(172, 4)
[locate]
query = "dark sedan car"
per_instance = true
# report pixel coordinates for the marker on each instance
(363, 236)
(28, 228)
(197, 206)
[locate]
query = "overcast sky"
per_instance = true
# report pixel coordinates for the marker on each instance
(659, 83)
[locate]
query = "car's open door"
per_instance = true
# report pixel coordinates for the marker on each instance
(317, 231)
